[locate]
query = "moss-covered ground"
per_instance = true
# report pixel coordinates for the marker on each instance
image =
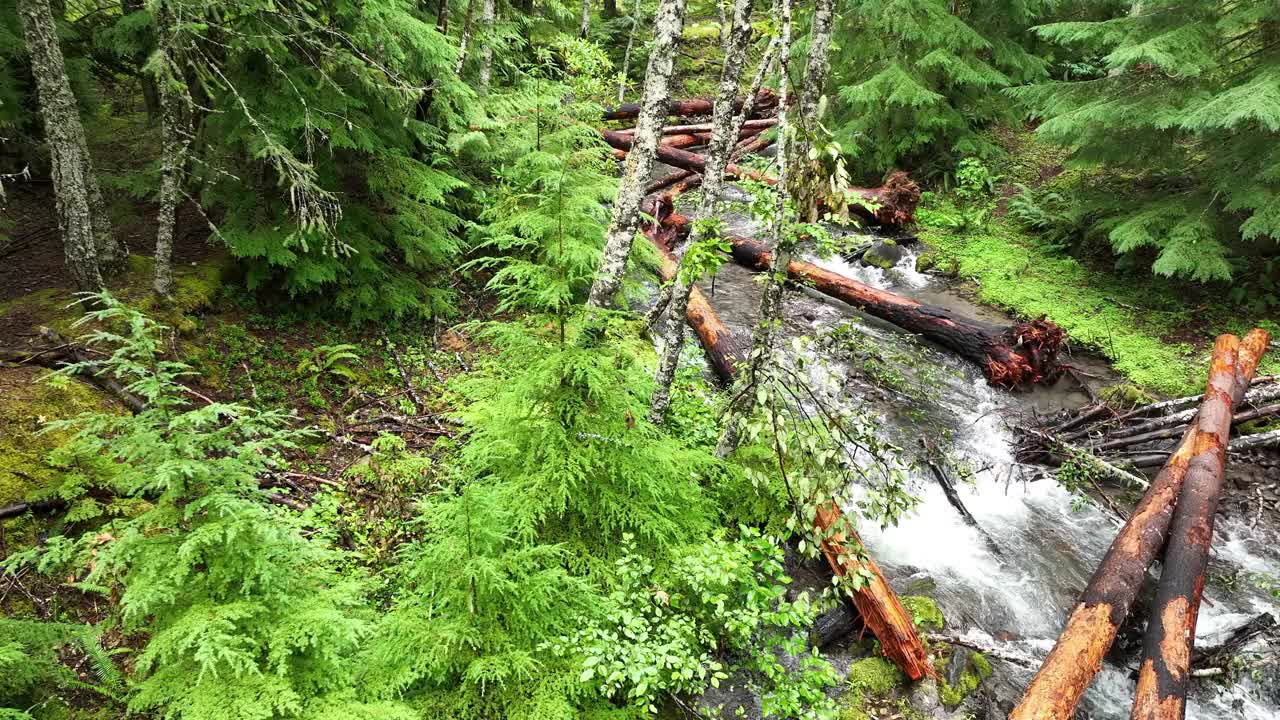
(1155, 331)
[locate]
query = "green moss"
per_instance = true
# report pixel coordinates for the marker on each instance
(1125, 396)
(926, 262)
(27, 404)
(977, 669)
(925, 612)
(874, 676)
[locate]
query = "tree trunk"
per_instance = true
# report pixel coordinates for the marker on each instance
(487, 19)
(668, 25)
(442, 17)
(631, 39)
(894, 202)
(73, 183)
(723, 134)
(176, 137)
(584, 21)
(464, 43)
(1022, 354)
(877, 603)
(809, 186)
(764, 101)
(1091, 628)
(1165, 671)
(611, 8)
(772, 297)
(723, 351)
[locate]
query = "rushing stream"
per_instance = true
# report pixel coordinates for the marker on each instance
(1049, 539)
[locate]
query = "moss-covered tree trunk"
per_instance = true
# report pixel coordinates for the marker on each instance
(176, 132)
(724, 131)
(762, 341)
(464, 43)
(76, 192)
(487, 20)
(668, 24)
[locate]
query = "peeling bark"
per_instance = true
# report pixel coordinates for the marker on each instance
(487, 19)
(75, 190)
(1165, 671)
(639, 164)
(1091, 628)
(723, 134)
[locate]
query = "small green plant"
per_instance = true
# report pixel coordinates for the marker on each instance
(974, 179)
(329, 361)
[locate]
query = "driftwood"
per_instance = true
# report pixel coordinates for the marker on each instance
(1091, 628)
(766, 101)
(1164, 675)
(1022, 354)
(893, 203)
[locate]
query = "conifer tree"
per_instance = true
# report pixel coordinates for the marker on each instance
(175, 124)
(488, 18)
(88, 242)
(668, 24)
(1186, 120)
(724, 129)
(923, 76)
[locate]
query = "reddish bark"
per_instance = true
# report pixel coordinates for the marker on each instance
(877, 603)
(1091, 628)
(723, 351)
(1018, 355)
(893, 203)
(766, 101)
(668, 180)
(1165, 671)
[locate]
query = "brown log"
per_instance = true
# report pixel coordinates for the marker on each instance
(766, 101)
(893, 203)
(1178, 428)
(668, 180)
(1022, 354)
(877, 603)
(1091, 627)
(756, 125)
(723, 351)
(1165, 671)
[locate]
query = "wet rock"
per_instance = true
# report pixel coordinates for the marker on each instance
(927, 701)
(925, 612)
(926, 262)
(883, 254)
(963, 673)
(919, 583)
(835, 626)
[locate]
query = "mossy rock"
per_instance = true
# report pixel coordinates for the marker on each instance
(883, 254)
(1125, 396)
(875, 676)
(962, 673)
(926, 262)
(925, 612)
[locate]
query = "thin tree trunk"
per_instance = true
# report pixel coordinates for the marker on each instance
(487, 19)
(442, 17)
(177, 134)
(626, 56)
(69, 153)
(723, 135)
(150, 94)
(611, 8)
(762, 341)
(465, 42)
(584, 22)
(1057, 687)
(807, 184)
(668, 25)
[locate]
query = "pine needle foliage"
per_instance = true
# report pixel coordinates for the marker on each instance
(1185, 121)
(917, 79)
(245, 617)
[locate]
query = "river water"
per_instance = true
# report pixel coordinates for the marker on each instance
(1049, 540)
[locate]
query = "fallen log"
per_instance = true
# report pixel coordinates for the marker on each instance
(766, 101)
(667, 181)
(877, 603)
(756, 125)
(1164, 674)
(37, 506)
(1091, 628)
(893, 203)
(723, 351)
(696, 139)
(1022, 354)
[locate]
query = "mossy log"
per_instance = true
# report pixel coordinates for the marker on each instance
(1091, 628)
(1014, 356)
(1165, 671)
